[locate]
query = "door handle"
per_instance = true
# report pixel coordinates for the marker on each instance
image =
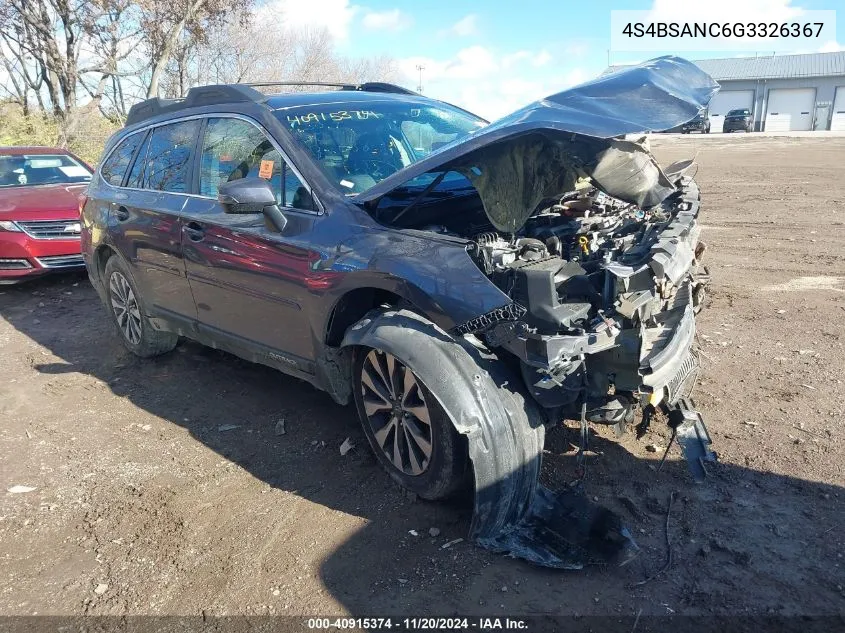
(122, 214)
(194, 231)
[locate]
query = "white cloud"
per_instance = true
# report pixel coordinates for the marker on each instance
(512, 59)
(832, 47)
(490, 83)
(392, 20)
(574, 48)
(542, 58)
(466, 26)
(724, 10)
(333, 15)
(472, 62)
(535, 59)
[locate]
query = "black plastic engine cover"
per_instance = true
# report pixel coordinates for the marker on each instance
(539, 285)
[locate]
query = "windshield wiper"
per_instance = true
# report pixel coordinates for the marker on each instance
(421, 195)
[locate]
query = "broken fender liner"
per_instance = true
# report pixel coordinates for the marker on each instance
(513, 514)
(565, 530)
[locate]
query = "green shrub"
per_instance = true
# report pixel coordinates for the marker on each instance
(85, 133)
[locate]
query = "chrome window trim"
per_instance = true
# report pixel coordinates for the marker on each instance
(213, 115)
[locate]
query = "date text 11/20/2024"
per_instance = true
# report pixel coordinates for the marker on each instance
(419, 624)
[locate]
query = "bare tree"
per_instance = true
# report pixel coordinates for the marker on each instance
(102, 55)
(362, 69)
(164, 23)
(243, 51)
(50, 33)
(112, 39)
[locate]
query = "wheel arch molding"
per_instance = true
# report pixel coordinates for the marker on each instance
(504, 430)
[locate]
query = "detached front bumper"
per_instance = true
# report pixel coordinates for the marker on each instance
(640, 350)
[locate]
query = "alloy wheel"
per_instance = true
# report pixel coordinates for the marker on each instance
(125, 308)
(397, 413)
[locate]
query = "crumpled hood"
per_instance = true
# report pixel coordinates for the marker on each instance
(540, 150)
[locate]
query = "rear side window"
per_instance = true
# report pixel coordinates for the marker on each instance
(136, 175)
(168, 163)
(234, 149)
(117, 163)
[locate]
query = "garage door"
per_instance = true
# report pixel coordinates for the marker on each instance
(728, 100)
(837, 121)
(790, 109)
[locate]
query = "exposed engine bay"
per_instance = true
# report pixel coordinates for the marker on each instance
(595, 274)
(603, 296)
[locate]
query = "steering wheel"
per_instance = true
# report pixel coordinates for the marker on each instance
(373, 155)
(378, 169)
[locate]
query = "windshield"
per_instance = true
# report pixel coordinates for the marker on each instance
(41, 169)
(358, 144)
(741, 112)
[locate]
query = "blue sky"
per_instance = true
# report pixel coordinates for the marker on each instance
(493, 57)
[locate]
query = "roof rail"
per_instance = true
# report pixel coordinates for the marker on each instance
(328, 84)
(241, 93)
(380, 86)
(199, 96)
(371, 86)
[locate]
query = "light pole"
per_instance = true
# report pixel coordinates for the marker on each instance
(420, 68)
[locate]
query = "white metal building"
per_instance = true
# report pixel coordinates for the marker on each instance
(785, 92)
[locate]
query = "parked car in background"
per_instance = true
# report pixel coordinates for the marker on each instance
(740, 119)
(39, 211)
(701, 123)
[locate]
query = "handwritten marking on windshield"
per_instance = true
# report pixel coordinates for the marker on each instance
(339, 115)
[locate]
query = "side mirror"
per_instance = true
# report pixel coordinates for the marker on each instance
(251, 195)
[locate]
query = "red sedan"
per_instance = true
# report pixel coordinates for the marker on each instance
(39, 211)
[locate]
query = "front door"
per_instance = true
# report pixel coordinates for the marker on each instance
(248, 281)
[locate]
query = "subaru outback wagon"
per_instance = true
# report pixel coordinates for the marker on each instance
(464, 284)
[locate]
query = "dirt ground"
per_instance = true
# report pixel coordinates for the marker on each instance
(162, 487)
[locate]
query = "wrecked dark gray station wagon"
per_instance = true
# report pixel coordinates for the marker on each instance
(465, 285)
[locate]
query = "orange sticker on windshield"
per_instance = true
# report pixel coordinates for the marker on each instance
(266, 169)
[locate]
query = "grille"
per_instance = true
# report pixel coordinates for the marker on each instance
(14, 264)
(51, 229)
(61, 261)
(683, 382)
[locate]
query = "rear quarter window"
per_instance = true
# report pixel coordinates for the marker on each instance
(168, 164)
(114, 168)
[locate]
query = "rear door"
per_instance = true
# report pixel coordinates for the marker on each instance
(249, 282)
(145, 217)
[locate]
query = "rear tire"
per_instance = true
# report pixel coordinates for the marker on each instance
(129, 315)
(411, 435)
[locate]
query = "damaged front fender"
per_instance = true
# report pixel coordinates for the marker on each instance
(505, 433)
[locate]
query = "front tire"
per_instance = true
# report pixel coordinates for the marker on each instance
(129, 315)
(410, 433)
